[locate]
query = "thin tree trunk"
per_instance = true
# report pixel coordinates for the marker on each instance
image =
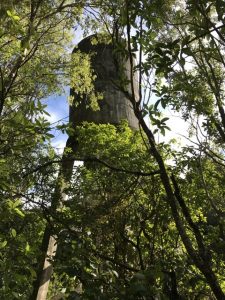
(49, 242)
(47, 269)
(199, 257)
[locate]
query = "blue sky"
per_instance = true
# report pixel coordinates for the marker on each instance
(58, 108)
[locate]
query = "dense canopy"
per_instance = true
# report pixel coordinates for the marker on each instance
(141, 213)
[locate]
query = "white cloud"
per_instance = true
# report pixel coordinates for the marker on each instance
(59, 145)
(53, 117)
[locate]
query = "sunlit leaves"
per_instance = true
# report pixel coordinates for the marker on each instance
(82, 80)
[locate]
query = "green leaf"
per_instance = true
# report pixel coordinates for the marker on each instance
(187, 51)
(13, 232)
(115, 273)
(16, 203)
(19, 212)
(168, 128)
(164, 103)
(27, 248)
(50, 136)
(164, 120)
(16, 295)
(9, 13)
(16, 18)
(33, 273)
(46, 113)
(12, 16)
(3, 244)
(157, 103)
(162, 130)
(186, 40)
(182, 62)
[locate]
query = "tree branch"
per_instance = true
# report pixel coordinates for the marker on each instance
(93, 160)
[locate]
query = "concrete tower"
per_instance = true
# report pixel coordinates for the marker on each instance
(115, 106)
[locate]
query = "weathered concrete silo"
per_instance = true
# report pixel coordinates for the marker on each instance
(115, 106)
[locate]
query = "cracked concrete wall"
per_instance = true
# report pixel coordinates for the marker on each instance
(115, 106)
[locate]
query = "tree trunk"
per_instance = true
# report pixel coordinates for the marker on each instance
(49, 243)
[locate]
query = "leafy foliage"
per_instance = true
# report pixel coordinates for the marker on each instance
(143, 219)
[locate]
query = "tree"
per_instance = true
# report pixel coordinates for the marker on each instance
(196, 246)
(143, 219)
(34, 35)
